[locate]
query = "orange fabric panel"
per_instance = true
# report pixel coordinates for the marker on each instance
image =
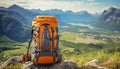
(40, 20)
(46, 60)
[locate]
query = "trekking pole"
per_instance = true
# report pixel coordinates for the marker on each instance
(28, 58)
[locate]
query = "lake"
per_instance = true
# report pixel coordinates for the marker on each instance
(81, 24)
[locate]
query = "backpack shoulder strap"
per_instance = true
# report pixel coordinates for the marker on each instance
(52, 38)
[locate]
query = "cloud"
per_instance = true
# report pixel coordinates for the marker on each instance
(74, 5)
(92, 6)
(22, 2)
(90, 0)
(105, 8)
(41, 4)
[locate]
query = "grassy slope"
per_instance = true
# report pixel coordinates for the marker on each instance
(6, 39)
(77, 48)
(79, 38)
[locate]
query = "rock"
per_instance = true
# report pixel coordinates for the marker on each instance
(12, 60)
(94, 62)
(62, 65)
(1, 63)
(92, 65)
(30, 65)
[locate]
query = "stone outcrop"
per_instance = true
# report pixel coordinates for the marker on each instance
(12, 60)
(62, 65)
(30, 65)
(93, 64)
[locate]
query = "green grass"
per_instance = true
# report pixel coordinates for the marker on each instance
(88, 48)
(20, 51)
(84, 55)
(79, 38)
(68, 36)
(10, 49)
(14, 66)
(4, 38)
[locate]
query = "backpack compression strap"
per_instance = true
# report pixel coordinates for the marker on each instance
(53, 50)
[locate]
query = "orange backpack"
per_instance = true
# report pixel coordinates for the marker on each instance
(45, 49)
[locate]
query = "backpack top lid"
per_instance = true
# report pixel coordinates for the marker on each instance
(41, 20)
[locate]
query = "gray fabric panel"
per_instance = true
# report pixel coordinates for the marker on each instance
(46, 40)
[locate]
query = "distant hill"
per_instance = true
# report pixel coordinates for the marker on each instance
(14, 15)
(27, 14)
(12, 28)
(109, 19)
(111, 15)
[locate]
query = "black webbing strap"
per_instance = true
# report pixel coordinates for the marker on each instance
(57, 38)
(52, 39)
(28, 50)
(53, 43)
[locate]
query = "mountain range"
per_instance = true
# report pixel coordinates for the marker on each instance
(17, 20)
(109, 19)
(63, 16)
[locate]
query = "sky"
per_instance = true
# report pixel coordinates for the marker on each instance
(92, 6)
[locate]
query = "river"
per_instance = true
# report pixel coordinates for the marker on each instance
(81, 24)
